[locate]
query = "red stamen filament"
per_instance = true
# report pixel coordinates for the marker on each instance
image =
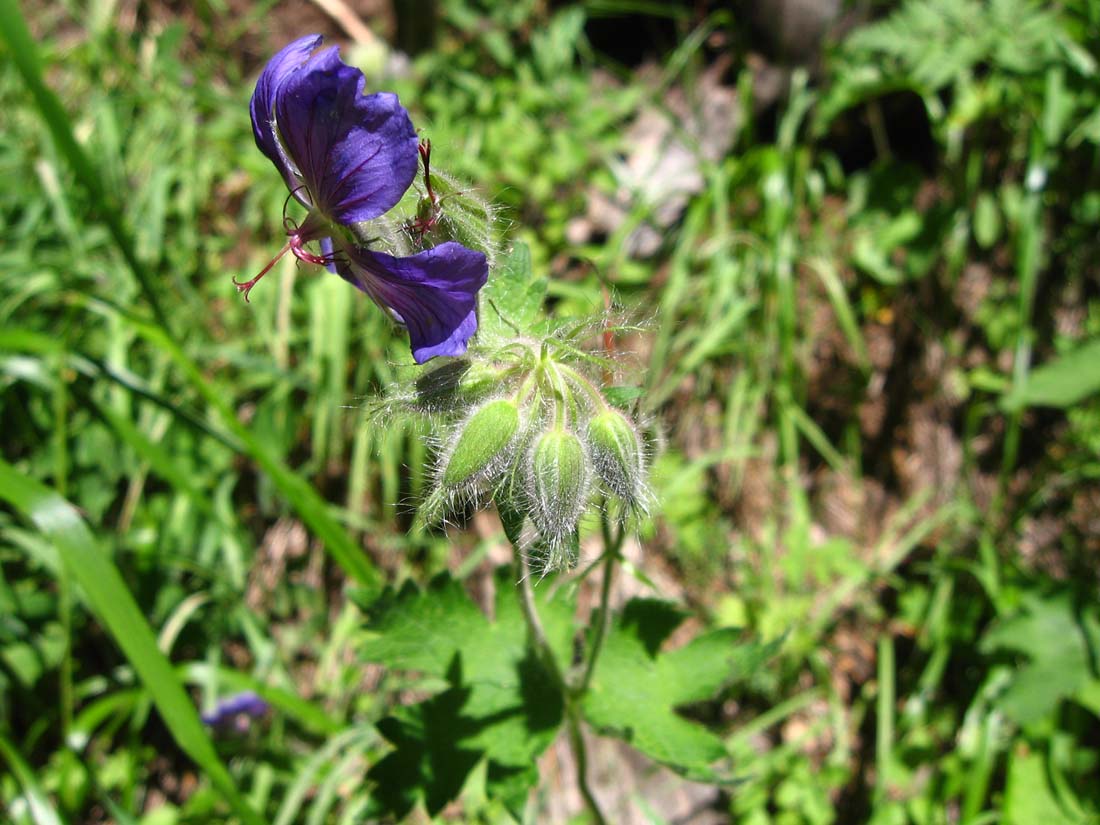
(295, 246)
(246, 286)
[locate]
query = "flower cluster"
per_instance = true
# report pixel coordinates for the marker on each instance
(348, 158)
(526, 428)
(518, 422)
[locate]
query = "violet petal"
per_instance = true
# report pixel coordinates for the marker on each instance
(288, 60)
(327, 250)
(246, 703)
(356, 154)
(433, 293)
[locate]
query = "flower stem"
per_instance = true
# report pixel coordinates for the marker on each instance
(580, 754)
(534, 623)
(570, 696)
(603, 618)
(613, 541)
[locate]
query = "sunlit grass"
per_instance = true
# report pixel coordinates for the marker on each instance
(854, 458)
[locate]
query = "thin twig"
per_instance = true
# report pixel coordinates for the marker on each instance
(349, 21)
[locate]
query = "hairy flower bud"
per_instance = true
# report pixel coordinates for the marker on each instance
(480, 379)
(485, 437)
(617, 454)
(522, 423)
(457, 384)
(511, 501)
(450, 212)
(559, 482)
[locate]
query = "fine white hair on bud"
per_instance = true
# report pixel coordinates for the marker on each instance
(446, 209)
(481, 446)
(457, 384)
(528, 424)
(558, 482)
(618, 456)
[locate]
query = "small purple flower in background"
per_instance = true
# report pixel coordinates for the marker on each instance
(237, 710)
(348, 158)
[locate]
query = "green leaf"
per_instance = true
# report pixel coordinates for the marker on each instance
(512, 297)
(1051, 633)
(1028, 796)
(934, 42)
(1088, 696)
(113, 605)
(1061, 382)
(635, 688)
(428, 761)
(496, 699)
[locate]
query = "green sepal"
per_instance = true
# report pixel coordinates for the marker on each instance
(485, 435)
(457, 214)
(559, 481)
(616, 454)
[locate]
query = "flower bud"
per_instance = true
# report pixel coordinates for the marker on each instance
(450, 212)
(511, 501)
(617, 454)
(559, 481)
(558, 552)
(456, 384)
(480, 379)
(453, 213)
(485, 436)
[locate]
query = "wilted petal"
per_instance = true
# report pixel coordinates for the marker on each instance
(356, 154)
(282, 65)
(433, 293)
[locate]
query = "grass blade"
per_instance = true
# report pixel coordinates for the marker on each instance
(42, 812)
(115, 608)
(313, 509)
(310, 506)
(13, 30)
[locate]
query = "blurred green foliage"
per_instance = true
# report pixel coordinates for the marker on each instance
(873, 351)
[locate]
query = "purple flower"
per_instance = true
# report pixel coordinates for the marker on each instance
(347, 155)
(348, 158)
(236, 709)
(433, 293)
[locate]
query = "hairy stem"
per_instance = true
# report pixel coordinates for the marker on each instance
(534, 622)
(570, 696)
(580, 754)
(603, 615)
(613, 536)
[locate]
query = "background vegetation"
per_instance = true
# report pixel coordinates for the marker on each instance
(867, 246)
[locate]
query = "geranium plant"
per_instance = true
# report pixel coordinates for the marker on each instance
(526, 417)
